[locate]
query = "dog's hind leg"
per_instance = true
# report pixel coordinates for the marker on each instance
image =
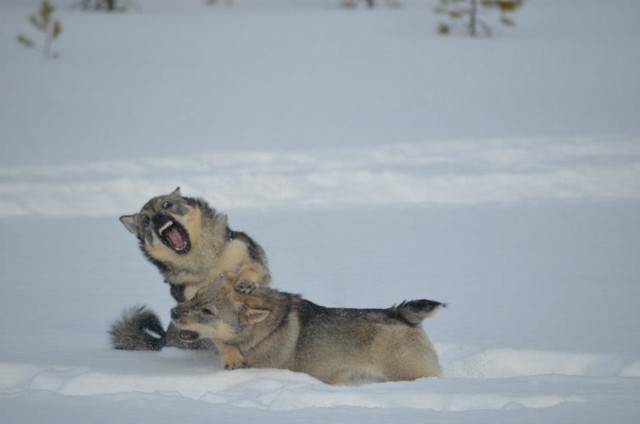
(411, 356)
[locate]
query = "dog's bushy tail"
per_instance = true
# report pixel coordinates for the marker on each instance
(138, 329)
(414, 311)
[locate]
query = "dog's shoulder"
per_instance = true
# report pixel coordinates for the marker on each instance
(255, 251)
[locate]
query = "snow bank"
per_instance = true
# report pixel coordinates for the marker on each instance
(265, 389)
(463, 362)
(467, 172)
(280, 390)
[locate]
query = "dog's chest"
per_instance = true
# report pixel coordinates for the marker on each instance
(183, 293)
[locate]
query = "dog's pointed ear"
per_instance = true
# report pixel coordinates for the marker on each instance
(176, 192)
(253, 316)
(130, 223)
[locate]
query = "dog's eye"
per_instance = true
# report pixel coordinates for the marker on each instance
(207, 311)
(146, 221)
(167, 205)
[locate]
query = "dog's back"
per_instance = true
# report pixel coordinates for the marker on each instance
(355, 346)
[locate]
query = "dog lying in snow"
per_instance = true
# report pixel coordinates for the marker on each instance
(273, 329)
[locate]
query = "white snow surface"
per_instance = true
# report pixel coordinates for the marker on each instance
(374, 162)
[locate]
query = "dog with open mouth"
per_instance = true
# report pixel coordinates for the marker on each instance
(345, 346)
(191, 244)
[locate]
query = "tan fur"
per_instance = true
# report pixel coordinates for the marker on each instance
(190, 291)
(230, 356)
(232, 258)
(193, 223)
(273, 329)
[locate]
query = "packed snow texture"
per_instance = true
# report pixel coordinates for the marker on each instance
(373, 160)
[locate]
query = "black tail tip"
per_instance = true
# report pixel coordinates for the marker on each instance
(138, 329)
(414, 311)
(425, 305)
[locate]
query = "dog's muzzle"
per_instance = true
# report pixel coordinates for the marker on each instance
(184, 335)
(171, 233)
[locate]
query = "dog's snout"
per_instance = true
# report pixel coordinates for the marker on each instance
(159, 219)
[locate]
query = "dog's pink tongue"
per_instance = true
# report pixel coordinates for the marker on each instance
(176, 238)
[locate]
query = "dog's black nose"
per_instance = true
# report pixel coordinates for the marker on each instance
(159, 219)
(174, 314)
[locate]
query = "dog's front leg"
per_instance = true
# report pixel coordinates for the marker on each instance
(230, 357)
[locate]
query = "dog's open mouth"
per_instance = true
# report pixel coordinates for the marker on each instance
(174, 236)
(188, 335)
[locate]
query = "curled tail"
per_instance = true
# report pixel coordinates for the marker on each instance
(414, 311)
(138, 329)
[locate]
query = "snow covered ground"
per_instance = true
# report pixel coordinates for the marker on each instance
(374, 161)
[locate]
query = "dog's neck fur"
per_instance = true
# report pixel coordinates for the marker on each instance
(256, 343)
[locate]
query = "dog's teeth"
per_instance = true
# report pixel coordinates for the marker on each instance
(164, 227)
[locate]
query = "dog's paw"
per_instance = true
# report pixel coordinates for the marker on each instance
(235, 365)
(230, 357)
(246, 286)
